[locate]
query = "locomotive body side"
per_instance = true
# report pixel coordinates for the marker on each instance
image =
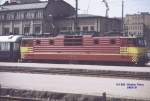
(81, 48)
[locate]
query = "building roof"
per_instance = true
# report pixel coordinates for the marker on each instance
(85, 16)
(23, 6)
(10, 38)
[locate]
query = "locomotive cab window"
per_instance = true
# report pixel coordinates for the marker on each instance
(136, 42)
(73, 41)
(141, 42)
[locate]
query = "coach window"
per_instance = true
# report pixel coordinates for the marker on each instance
(4, 46)
(112, 41)
(96, 42)
(16, 46)
(38, 42)
(51, 42)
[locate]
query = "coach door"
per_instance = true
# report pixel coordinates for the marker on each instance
(5, 51)
(11, 51)
(15, 50)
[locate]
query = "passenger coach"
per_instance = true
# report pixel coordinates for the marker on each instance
(85, 48)
(10, 48)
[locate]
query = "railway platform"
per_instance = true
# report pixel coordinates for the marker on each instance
(78, 70)
(132, 83)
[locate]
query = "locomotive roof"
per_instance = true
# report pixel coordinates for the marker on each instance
(10, 38)
(62, 36)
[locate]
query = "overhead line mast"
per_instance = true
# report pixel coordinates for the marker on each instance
(123, 16)
(76, 17)
(76, 14)
(107, 7)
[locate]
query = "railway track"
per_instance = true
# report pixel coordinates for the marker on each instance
(79, 72)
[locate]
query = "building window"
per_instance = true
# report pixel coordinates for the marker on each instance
(16, 30)
(69, 28)
(30, 15)
(37, 29)
(92, 28)
(6, 31)
(78, 28)
(85, 28)
(64, 28)
(10, 16)
(26, 30)
(38, 14)
(2, 17)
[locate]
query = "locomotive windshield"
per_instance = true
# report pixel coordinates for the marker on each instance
(138, 42)
(141, 42)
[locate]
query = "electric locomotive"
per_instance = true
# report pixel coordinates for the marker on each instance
(85, 48)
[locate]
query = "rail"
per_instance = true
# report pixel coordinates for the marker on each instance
(80, 72)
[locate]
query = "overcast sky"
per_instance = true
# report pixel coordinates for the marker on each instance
(97, 7)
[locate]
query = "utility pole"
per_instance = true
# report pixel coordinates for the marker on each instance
(76, 17)
(122, 16)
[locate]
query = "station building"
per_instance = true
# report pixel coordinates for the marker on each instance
(89, 23)
(32, 18)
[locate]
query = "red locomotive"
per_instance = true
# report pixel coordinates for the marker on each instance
(85, 48)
